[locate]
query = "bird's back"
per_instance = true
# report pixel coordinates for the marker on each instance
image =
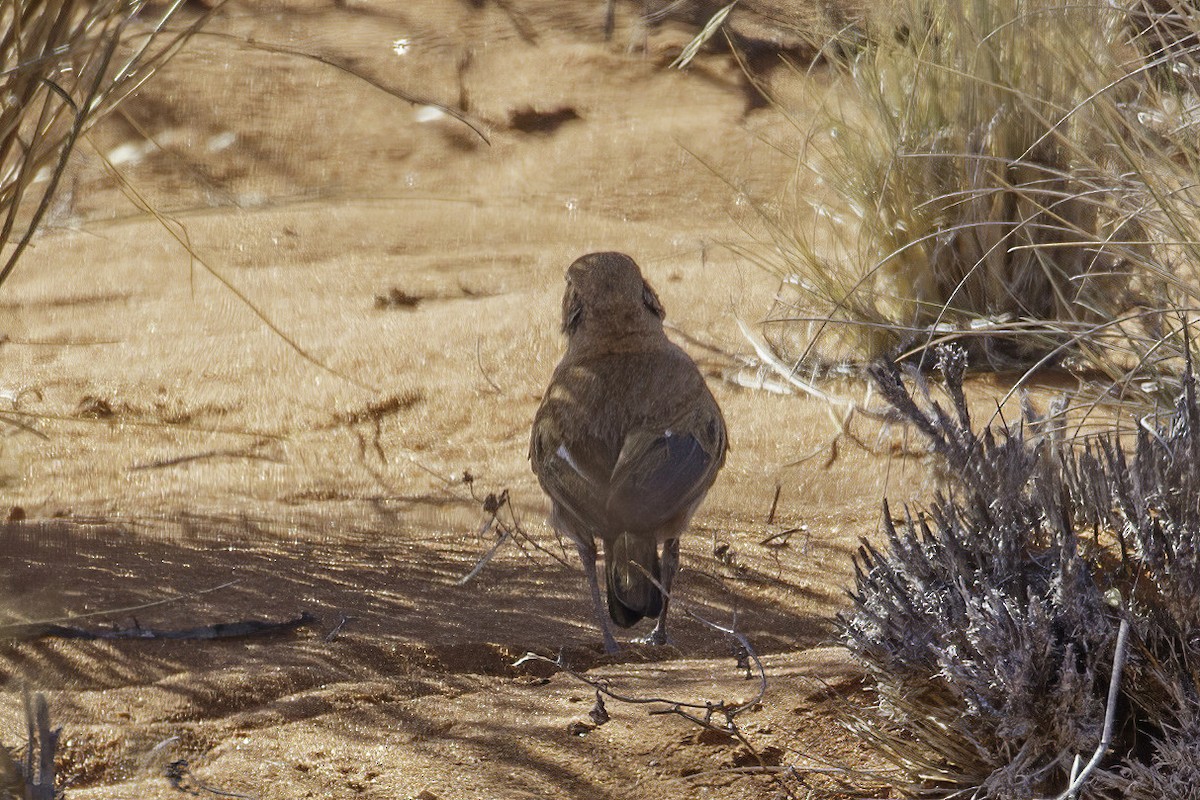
(606, 408)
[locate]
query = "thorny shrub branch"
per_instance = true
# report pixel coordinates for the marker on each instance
(503, 518)
(701, 714)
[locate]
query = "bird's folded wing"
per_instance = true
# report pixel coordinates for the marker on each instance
(659, 476)
(578, 492)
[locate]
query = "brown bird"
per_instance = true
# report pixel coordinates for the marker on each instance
(627, 441)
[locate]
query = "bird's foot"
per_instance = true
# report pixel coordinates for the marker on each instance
(657, 636)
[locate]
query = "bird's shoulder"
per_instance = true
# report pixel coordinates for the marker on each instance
(602, 398)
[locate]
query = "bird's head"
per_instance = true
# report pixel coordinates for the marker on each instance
(607, 294)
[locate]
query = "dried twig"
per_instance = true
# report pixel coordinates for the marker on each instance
(329, 637)
(482, 371)
(774, 504)
(702, 714)
(220, 630)
(6, 631)
(780, 539)
(1110, 714)
(502, 518)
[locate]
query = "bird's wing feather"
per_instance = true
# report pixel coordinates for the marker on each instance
(659, 476)
(575, 487)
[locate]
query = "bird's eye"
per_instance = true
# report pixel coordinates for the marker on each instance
(572, 311)
(650, 300)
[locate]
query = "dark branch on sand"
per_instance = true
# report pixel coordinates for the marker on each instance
(221, 630)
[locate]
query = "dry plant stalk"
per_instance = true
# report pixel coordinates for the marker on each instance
(64, 65)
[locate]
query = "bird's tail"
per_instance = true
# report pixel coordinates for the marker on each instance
(629, 561)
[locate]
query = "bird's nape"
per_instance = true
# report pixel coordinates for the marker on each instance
(601, 286)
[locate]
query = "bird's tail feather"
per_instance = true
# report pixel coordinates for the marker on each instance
(629, 562)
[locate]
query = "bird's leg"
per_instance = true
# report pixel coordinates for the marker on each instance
(610, 19)
(587, 554)
(668, 568)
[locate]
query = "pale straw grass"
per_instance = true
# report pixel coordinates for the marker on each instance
(64, 65)
(1008, 175)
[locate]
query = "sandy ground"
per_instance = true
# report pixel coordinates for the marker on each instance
(278, 421)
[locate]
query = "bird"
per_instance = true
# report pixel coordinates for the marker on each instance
(627, 441)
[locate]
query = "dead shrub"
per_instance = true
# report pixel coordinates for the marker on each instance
(988, 622)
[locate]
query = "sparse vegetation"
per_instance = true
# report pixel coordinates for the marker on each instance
(1018, 178)
(988, 622)
(64, 65)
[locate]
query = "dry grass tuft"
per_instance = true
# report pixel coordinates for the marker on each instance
(989, 622)
(1004, 175)
(64, 65)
